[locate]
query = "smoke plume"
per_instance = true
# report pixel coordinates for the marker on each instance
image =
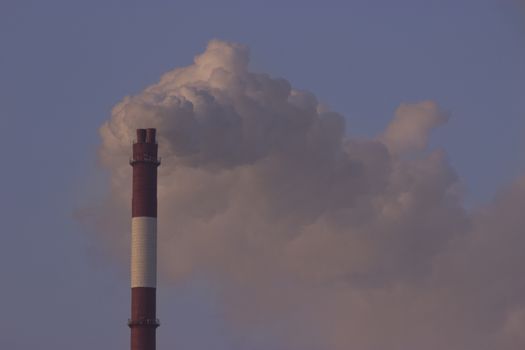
(322, 241)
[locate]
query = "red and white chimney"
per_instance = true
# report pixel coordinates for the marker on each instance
(144, 322)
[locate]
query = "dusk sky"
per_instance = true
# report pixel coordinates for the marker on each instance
(457, 66)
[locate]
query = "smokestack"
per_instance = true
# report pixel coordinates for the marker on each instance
(144, 322)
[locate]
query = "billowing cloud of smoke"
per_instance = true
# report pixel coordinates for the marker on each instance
(320, 240)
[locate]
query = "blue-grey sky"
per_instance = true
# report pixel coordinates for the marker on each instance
(64, 64)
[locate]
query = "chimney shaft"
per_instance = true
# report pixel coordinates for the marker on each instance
(143, 321)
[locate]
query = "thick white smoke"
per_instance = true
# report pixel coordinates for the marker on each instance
(324, 241)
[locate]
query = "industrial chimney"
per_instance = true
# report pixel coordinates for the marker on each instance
(143, 321)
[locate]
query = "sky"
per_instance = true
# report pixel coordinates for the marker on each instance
(65, 64)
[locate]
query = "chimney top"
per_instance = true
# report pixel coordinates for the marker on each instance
(146, 135)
